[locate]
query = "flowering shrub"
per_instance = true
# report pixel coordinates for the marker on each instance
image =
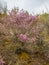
(21, 29)
(23, 24)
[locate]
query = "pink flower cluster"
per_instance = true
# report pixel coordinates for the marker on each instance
(1, 61)
(25, 38)
(22, 22)
(22, 37)
(31, 40)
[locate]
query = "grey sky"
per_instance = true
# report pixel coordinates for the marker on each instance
(36, 6)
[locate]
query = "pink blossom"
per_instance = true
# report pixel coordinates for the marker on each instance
(35, 18)
(1, 61)
(31, 40)
(22, 37)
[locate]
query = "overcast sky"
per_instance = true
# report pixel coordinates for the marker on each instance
(36, 6)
